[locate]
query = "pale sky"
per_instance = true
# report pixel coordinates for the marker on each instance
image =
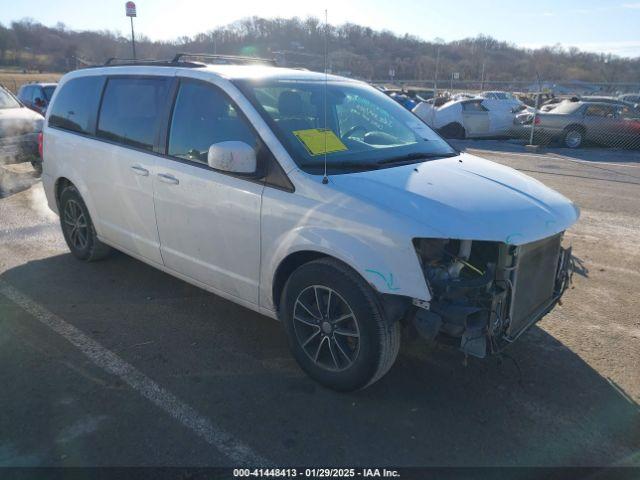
(610, 26)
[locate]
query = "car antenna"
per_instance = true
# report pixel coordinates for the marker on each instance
(325, 179)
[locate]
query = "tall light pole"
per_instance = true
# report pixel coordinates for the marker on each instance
(130, 8)
(435, 78)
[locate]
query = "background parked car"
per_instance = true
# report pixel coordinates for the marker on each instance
(502, 100)
(630, 97)
(574, 123)
(467, 118)
(19, 129)
(611, 100)
(37, 96)
(405, 100)
(420, 94)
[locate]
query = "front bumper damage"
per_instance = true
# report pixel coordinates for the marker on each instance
(485, 295)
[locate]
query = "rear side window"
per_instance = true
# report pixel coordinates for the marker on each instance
(76, 105)
(48, 92)
(131, 109)
(37, 93)
(600, 111)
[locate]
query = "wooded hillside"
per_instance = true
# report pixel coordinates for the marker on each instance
(354, 50)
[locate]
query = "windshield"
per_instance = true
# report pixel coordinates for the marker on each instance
(7, 100)
(499, 95)
(566, 107)
(365, 129)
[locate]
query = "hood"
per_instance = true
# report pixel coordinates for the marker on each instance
(19, 121)
(465, 197)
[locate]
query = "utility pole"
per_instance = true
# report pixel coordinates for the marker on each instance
(130, 8)
(435, 78)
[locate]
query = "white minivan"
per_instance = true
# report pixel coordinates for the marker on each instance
(310, 198)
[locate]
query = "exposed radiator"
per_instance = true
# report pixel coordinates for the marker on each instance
(533, 281)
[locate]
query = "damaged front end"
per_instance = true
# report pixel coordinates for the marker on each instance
(484, 295)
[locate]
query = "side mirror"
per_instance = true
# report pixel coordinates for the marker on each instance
(232, 156)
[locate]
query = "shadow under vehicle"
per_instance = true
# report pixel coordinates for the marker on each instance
(552, 409)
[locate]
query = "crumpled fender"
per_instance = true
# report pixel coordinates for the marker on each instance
(378, 264)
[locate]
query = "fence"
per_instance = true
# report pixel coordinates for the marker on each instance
(570, 114)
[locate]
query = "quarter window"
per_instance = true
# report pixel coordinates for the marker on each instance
(131, 108)
(473, 107)
(76, 104)
(201, 117)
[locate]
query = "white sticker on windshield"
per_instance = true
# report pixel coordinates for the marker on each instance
(421, 129)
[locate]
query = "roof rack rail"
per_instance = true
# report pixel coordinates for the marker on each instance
(113, 62)
(224, 59)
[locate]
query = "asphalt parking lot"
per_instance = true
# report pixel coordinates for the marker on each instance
(115, 363)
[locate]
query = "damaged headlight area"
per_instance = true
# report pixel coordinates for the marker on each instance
(484, 295)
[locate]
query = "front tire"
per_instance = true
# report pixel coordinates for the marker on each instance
(336, 328)
(78, 229)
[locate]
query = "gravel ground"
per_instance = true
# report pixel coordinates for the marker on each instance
(191, 379)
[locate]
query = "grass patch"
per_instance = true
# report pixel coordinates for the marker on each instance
(13, 80)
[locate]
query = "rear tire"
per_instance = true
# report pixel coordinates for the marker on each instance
(78, 229)
(573, 137)
(336, 328)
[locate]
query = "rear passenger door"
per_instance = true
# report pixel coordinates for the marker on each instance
(602, 125)
(122, 180)
(209, 221)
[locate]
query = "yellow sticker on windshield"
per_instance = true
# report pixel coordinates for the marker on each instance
(319, 141)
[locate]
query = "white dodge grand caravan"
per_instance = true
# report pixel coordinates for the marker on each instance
(313, 199)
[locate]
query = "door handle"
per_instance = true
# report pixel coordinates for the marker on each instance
(139, 170)
(168, 178)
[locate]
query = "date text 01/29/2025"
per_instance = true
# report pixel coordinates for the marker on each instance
(315, 473)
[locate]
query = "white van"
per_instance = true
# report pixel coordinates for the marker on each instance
(312, 199)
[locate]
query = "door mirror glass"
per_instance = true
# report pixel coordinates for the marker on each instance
(232, 156)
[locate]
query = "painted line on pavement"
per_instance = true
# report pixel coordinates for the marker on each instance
(113, 364)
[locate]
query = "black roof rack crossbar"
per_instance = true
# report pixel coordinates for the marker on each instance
(224, 59)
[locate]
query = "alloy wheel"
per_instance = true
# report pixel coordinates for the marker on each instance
(326, 328)
(573, 139)
(76, 225)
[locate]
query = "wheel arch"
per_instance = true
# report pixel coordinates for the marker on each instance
(287, 266)
(60, 184)
(575, 126)
(453, 130)
(393, 305)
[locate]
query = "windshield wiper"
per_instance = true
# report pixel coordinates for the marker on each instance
(413, 157)
(348, 165)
